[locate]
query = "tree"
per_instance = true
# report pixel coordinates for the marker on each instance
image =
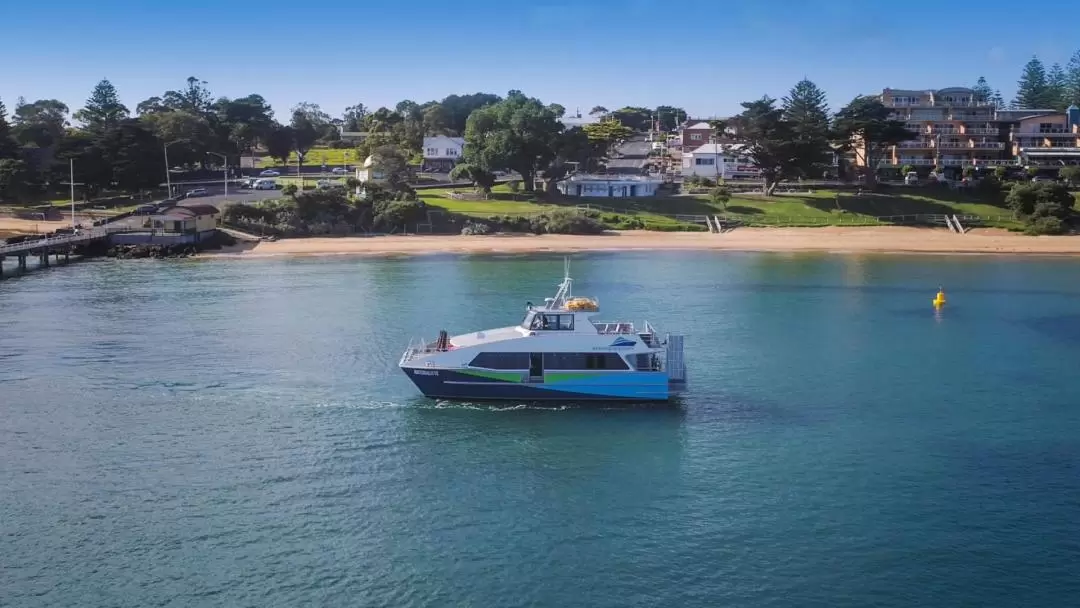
(998, 100)
(1072, 81)
(8, 147)
(481, 179)
(304, 134)
(982, 91)
(352, 117)
(1057, 88)
(1033, 90)
(637, 119)
(435, 121)
(279, 143)
(41, 123)
(458, 108)
(1000, 173)
(103, 109)
(720, 196)
(1070, 174)
(517, 133)
(152, 105)
(134, 155)
(194, 98)
(807, 112)
(392, 163)
(193, 132)
(606, 133)
(770, 141)
(864, 126)
(14, 179)
(1040, 200)
(598, 111)
(290, 190)
(669, 117)
(245, 120)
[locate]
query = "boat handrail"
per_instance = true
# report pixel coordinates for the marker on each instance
(614, 327)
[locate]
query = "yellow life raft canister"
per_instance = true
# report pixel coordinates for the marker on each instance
(582, 305)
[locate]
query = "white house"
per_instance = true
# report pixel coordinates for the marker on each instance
(723, 161)
(609, 186)
(441, 153)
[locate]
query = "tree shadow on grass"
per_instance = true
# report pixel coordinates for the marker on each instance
(875, 204)
(740, 210)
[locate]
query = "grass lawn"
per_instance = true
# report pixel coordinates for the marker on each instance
(817, 209)
(316, 157)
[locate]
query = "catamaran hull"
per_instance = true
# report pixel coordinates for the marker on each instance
(458, 385)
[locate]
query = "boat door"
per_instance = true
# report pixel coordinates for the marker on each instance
(536, 367)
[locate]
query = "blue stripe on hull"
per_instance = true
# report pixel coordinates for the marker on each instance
(453, 385)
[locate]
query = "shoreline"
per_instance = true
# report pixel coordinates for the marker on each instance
(833, 240)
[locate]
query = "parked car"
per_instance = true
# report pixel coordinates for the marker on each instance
(196, 192)
(1042, 179)
(339, 171)
(911, 179)
(270, 173)
(264, 184)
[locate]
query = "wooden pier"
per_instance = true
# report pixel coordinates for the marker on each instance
(57, 246)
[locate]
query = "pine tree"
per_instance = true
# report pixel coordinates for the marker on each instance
(998, 100)
(806, 110)
(1057, 87)
(8, 147)
(982, 90)
(1072, 81)
(1032, 88)
(103, 109)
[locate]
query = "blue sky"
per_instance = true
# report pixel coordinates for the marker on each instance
(705, 56)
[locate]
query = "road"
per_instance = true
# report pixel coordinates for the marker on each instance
(630, 157)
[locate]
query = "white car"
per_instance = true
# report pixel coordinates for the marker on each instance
(264, 184)
(270, 173)
(339, 171)
(196, 192)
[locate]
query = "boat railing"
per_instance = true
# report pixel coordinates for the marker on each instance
(614, 328)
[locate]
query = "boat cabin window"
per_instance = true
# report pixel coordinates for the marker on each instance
(566, 361)
(550, 322)
(501, 361)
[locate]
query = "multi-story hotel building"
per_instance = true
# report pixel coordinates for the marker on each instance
(1047, 140)
(954, 129)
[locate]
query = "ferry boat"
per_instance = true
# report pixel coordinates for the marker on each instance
(557, 352)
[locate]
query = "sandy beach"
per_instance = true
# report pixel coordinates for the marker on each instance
(838, 240)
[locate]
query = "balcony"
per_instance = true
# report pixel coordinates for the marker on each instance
(980, 131)
(972, 116)
(916, 144)
(988, 145)
(953, 145)
(914, 162)
(945, 131)
(1050, 134)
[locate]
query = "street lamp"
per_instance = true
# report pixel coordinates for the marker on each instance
(168, 178)
(225, 162)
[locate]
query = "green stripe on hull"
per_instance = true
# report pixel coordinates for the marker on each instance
(568, 377)
(501, 376)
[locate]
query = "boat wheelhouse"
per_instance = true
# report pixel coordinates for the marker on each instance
(557, 352)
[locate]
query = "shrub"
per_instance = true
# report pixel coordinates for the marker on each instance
(565, 221)
(1051, 198)
(1045, 225)
(514, 185)
(1001, 173)
(475, 228)
(906, 169)
(1032, 171)
(1070, 174)
(289, 190)
(390, 216)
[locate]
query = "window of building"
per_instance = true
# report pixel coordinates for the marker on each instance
(708, 162)
(695, 137)
(501, 361)
(432, 151)
(451, 152)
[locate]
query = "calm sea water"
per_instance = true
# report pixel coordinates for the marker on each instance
(236, 433)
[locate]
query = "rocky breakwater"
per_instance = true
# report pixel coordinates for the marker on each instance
(130, 252)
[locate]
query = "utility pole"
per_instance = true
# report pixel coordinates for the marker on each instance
(72, 180)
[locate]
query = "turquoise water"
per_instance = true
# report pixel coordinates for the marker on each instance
(236, 433)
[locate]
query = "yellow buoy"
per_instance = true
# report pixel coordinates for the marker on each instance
(939, 300)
